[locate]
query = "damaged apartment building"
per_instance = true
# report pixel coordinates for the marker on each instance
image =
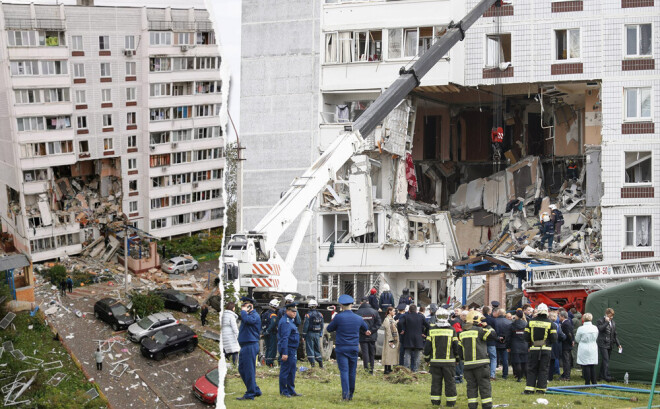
(571, 86)
(110, 115)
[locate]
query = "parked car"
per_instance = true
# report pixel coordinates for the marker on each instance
(167, 341)
(114, 313)
(148, 326)
(176, 300)
(180, 265)
(214, 301)
(206, 387)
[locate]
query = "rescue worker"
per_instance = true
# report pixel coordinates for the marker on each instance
(497, 138)
(557, 218)
(312, 334)
(348, 326)
(405, 297)
(288, 346)
(476, 333)
(540, 334)
(386, 298)
(443, 351)
(269, 331)
(248, 339)
(368, 342)
(572, 172)
(373, 299)
(547, 231)
(433, 310)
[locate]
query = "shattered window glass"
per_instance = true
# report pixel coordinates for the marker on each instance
(638, 167)
(394, 36)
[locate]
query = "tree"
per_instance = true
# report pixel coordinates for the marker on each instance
(231, 189)
(146, 304)
(57, 273)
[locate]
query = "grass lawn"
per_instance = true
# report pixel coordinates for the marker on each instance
(322, 389)
(38, 342)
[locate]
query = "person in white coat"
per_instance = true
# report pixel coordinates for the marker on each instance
(230, 333)
(587, 354)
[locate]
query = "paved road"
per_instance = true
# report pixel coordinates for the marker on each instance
(146, 384)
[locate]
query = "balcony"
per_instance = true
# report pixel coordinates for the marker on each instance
(164, 25)
(55, 253)
(36, 187)
(53, 24)
(52, 160)
(186, 228)
(50, 231)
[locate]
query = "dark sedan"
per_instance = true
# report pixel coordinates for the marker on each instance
(114, 313)
(168, 341)
(176, 300)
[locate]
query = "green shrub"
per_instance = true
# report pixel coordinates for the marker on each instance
(146, 304)
(195, 245)
(57, 273)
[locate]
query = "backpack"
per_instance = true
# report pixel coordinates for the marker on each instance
(315, 321)
(559, 217)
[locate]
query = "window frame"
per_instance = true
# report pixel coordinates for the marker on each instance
(634, 232)
(107, 121)
(106, 95)
(131, 141)
(131, 118)
(129, 42)
(108, 144)
(108, 74)
(104, 43)
(131, 72)
(77, 69)
(638, 118)
(79, 92)
(131, 163)
(131, 94)
(81, 119)
(568, 45)
(74, 46)
(647, 183)
(638, 42)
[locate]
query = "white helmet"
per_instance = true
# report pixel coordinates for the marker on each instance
(442, 317)
(386, 287)
(542, 309)
(289, 298)
(546, 218)
(553, 207)
(274, 303)
(312, 303)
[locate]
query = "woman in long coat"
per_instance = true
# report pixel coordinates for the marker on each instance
(587, 355)
(518, 346)
(390, 354)
(230, 332)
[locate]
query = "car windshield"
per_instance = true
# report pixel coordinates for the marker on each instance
(213, 377)
(160, 337)
(145, 323)
(118, 309)
(171, 262)
(180, 297)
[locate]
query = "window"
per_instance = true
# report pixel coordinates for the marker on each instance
(53, 68)
(56, 148)
(183, 64)
(206, 63)
(638, 104)
(105, 69)
(22, 38)
(160, 38)
(30, 124)
(182, 112)
(180, 178)
(81, 97)
(58, 122)
(160, 202)
(157, 64)
(158, 224)
(182, 88)
(638, 40)
(217, 173)
(186, 38)
(160, 181)
(129, 42)
(104, 42)
(79, 70)
(181, 135)
(27, 96)
(76, 43)
(83, 146)
(156, 138)
(56, 95)
(207, 87)
(567, 44)
(159, 114)
(82, 122)
(131, 118)
(159, 160)
(28, 67)
(107, 120)
(210, 132)
(160, 90)
(181, 157)
(131, 94)
(180, 200)
(133, 206)
(132, 164)
(203, 110)
(107, 144)
(130, 68)
(638, 167)
(498, 49)
(133, 185)
(35, 174)
(638, 231)
(205, 37)
(106, 95)
(132, 141)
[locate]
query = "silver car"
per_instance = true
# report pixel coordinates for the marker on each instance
(150, 325)
(180, 265)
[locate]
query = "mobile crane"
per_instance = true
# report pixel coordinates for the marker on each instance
(251, 256)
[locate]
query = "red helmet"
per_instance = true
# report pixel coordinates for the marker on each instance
(373, 291)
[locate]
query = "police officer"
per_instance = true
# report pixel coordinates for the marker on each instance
(248, 339)
(540, 334)
(443, 351)
(269, 331)
(289, 339)
(348, 326)
(405, 297)
(476, 333)
(368, 342)
(312, 333)
(282, 312)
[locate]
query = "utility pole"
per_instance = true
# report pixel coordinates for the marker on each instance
(126, 258)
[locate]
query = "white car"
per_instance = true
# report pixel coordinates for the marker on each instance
(179, 265)
(150, 325)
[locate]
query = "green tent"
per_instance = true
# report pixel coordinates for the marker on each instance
(636, 305)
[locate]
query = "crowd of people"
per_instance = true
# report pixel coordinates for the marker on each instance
(463, 344)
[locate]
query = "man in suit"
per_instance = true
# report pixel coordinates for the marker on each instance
(413, 329)
(606, 340)
(566, 345)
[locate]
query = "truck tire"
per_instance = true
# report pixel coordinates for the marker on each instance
(327, 345)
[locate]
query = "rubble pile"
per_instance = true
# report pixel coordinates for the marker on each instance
(92, 199)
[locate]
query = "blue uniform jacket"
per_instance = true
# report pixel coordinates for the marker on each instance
(306, 324)
(250, 327)
(282, 313)
(288, 336)
(271, 329)
(348, 326)
(387, 299)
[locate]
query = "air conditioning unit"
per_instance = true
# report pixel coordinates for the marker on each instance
(174, 145)
(152, 147)
(185, 47)
(195, 184)
(163, 168)
(129, 53)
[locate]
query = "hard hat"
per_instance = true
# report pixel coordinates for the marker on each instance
(546, 218)
(442, 317)
(474, 317)
(373, 291)
(542, 309)
(312, 303)
(274, 303)
(289, 298)
(553, 207)
(386, 287)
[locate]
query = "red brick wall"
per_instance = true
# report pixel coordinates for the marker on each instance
(497, 73)
(637, 65)
(567, 6)
(637, 128)
(493, 11)
(566, 68)
(629, 255)
(636, 3)
(636, 192)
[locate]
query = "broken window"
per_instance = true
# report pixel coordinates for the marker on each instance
(638, 231)
(638, 167)
(638, 103)
(205, 37)
(331, 47)
(201, 216)
(638, 40)
(368, 45)
(160, 181)
(425, 39)
(133, 185)
(180, 219)
(28, 67)
(160, 38)
(40, 245)
(83, 146)
(107, 144)
(567, 44)
(345, 47)
(27, 96)
(35, 175)
(156, 138)
(158, 223)
(335, 228)
(410, 36)
(498, 49)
